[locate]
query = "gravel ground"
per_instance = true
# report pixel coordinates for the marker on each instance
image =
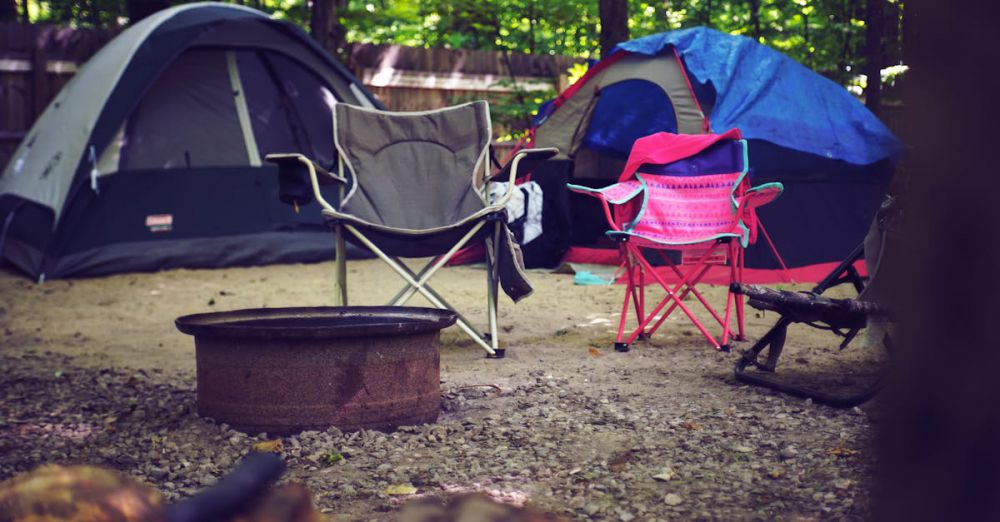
(660, 433)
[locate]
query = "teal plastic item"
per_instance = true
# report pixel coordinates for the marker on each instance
(585, 277)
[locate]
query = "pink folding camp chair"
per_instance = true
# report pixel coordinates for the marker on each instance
(688, 194)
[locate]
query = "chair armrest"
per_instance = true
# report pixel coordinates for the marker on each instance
(524, 161)
(760, 195)
(295, 160)
(298, 183)
(617, 194)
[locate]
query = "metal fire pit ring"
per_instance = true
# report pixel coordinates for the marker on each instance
(285, 370)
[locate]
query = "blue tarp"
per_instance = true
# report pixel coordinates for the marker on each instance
(771, 97)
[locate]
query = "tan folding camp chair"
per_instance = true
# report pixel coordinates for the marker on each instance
(414, 185)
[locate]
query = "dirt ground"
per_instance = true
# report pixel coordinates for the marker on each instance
(577, 429)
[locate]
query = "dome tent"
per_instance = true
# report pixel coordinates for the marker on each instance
(150, 157)
(834, 157)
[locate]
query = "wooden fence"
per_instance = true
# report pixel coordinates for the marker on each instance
(35, 62)
(38, 60)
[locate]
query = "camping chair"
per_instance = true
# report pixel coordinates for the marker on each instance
(689, 194)
(411, 185)
(843, 317)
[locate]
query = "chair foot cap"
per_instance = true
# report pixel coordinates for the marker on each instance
(643, 337)
(499, 353)
(725, 348)
(621, 347)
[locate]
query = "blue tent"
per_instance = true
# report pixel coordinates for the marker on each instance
(834, 157)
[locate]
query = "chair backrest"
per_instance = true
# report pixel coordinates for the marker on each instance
(691, 200)
(413, 170)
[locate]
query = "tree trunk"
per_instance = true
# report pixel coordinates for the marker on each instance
(138, 9)
(873, 54)
(847, 14)
(706, 15)
(325, 26)
(8, 11)
(939, 456)
(614, 24)
(25, 13)
(755, 18)
(531, 26)
(805, 36)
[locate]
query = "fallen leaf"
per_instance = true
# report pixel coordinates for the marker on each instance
(400, 489)
(268, 446)
(691, 426)
(619, 461)
(842, 452)
(594, 352)
(775, 473)
(672, 499)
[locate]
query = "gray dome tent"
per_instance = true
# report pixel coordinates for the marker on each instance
(151, 156)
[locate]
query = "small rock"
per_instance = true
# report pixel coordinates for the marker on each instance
(664, 475)
(843, 483)
(672, 499)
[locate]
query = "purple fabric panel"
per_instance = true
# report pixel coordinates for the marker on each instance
(722, 158)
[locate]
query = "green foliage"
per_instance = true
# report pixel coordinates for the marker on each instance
(331, 457)
(825, 35)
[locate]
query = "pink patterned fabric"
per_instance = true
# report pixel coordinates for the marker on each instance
(687, 210)
(621, 192)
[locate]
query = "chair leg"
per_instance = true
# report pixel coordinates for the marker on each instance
(740, 317)
(674, 297)
(493, 290)
(621, 346)
(421, 284)
(340, 276)
(408, 291)
(687, 283)
(730, 296)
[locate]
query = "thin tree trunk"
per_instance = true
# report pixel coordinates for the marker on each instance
(614, 24)
(8, 11)
(873, 53)
(138, 9)
(707, 14)
(805, 35)
(325, 26)
(755, 18)
(531, 26)
(847, 14)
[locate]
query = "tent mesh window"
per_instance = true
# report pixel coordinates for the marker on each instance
(244, 105)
